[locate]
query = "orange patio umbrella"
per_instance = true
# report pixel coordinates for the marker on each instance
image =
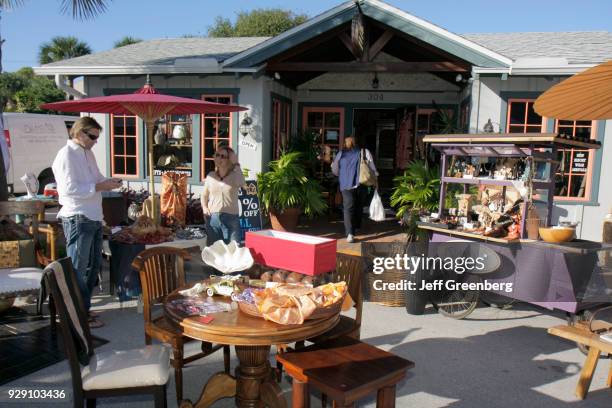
(584, 96)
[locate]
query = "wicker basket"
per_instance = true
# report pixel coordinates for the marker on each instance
(393, 298)
(319, 312)
(9, 254)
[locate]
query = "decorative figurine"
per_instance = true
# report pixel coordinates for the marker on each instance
(464, 204)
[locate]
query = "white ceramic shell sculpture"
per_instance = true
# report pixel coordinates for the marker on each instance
(227, 258)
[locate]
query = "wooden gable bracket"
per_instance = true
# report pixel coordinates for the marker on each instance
(346, 40)
(375, 49)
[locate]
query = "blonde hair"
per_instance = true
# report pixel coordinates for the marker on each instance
(349, 143)
(83, 125)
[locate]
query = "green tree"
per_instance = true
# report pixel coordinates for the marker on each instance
(61, 48)
(256, 23)
(37, 90)
(127, 40)
(10, 84)
(80, 10)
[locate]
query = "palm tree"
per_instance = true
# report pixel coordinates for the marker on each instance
(80, 10)
(127, 40)
(61, 48)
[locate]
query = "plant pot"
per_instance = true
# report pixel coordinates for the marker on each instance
(286, 220)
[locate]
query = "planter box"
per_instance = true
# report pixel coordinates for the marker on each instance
(305, 254)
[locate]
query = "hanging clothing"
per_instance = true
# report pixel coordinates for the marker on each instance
(405, 138)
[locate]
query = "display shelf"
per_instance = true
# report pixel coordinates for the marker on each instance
(488, 181)
(452, 233)
(174, 145)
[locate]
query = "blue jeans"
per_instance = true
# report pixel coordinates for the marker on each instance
(84, 247)
(222, 226)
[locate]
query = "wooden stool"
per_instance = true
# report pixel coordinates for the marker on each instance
(346, 370)
(596, 347)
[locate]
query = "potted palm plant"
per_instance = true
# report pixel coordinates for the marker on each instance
(415, 192)
(286, 191)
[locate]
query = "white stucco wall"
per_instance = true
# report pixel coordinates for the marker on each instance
(408, 89)
(487, 102)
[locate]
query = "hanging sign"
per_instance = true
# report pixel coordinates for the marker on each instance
(246, 143)
(250, 215)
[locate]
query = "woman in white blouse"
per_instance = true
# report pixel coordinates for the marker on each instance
(220, 197)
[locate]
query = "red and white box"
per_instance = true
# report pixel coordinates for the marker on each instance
(301, 253)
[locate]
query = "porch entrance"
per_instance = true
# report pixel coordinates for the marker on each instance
(377, 130)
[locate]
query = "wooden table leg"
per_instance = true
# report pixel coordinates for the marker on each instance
(586, 375)
(385, 397)
(219, 386)
(300, 395)
(609, 382)
(252, 374)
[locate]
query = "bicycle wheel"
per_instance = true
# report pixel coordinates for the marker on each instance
(456, 304)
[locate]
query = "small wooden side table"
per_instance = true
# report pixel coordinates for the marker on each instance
(596, 347)
(346, 370)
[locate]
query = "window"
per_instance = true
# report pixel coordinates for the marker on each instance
(573, 177)
(216, 129)
(173, 148)
(124, 151)
(281, 126)
(328, 123)
(522, 118)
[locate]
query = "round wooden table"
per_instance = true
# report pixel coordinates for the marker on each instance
(254, 384)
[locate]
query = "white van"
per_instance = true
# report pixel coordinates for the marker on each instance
(33, 140)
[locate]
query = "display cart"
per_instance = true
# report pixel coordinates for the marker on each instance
(568, 276)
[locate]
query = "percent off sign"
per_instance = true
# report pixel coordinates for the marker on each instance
(250, 207)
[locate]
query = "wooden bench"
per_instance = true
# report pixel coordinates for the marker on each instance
(596, 347)
(346, 370)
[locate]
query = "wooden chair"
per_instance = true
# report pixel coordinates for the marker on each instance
(348, 269)
(110, 373)
(162, 271)
(29, 275)
(596, 346)
(346, 369)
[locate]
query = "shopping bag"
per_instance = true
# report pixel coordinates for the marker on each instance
(367, 177)
(377, 211)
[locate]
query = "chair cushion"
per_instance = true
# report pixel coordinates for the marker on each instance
(20, 280)
(143, 367)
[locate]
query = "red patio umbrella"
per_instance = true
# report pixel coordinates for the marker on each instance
(148, 104)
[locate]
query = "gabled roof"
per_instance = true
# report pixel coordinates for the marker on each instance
(516, 53)
(175, 55)
(585, 47)
(385, 13)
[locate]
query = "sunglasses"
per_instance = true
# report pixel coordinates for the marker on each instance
(221, 156)
(92, 137)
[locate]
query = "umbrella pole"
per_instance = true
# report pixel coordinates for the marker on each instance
(150, 126)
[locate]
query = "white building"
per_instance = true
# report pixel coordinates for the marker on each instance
(320, 76)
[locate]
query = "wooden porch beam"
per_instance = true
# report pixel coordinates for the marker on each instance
(310, 44)
(379, 44)
(346, 40)
(434, 66)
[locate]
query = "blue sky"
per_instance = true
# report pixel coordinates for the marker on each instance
(39, 20)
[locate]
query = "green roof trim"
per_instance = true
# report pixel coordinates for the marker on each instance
(296, 39)
(475, 55)
(452, 47)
